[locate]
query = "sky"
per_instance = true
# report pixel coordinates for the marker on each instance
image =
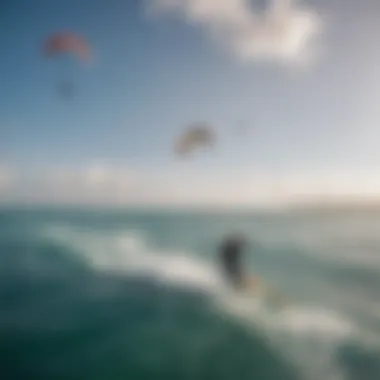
(290, 88)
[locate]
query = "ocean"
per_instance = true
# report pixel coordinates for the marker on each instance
(137, 294)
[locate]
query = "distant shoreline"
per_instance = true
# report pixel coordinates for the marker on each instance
(299, 207)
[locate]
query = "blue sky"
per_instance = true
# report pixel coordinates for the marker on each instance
(308, 98)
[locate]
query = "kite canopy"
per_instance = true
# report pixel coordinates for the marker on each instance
(60, 43)
(66, 43)
(196, 136)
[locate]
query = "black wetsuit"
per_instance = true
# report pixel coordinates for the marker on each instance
(230, 256)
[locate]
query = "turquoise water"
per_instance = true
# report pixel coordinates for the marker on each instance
(137, 295)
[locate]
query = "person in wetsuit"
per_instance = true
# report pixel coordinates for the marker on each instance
(230, 256)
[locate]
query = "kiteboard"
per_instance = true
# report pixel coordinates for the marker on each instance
(257, 289)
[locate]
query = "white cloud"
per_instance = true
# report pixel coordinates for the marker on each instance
(110, 185)
(100, 184)
(6, 178)
(284, 31)
(94, 183)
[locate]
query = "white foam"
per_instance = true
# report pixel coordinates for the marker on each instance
(324, 324)
(306, 336)
(126, 251)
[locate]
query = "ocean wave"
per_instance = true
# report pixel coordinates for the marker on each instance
(92, 322)
(307, 335)
(127, 252)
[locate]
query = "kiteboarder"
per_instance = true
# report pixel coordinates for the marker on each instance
(230, 256)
